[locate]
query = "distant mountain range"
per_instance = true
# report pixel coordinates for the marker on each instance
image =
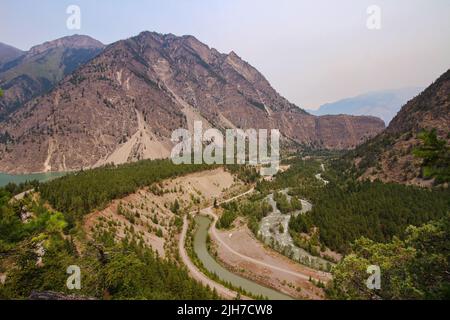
(25, 75)
(121, 103)
(382, 104)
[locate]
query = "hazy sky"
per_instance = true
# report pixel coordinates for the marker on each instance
(312, 52)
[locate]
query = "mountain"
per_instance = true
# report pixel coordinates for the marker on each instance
(124, 104)
(389, 156)
(8, 53)
(25, 75)
(382, 104)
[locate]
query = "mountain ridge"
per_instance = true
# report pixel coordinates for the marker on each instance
(36, 71)
(123, 105)
(389, 156)
(8, 53)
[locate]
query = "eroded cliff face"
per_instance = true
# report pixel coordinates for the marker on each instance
(124, 104)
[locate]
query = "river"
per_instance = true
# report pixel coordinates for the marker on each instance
(212, 266)
(274, 231)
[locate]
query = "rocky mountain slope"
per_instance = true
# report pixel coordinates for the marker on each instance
(25, 75)
(389, 156)
(124, 104)
(382, 104)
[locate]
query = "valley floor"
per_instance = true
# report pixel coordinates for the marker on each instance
(243, 254)
(145, 213)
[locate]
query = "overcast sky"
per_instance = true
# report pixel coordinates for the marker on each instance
(312, 52)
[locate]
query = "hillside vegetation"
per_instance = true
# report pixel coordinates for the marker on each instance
(346, 209)
(37, 243)
(422, 124)
(82, 192)
(413, 268)
(402, 229)
(378, 211)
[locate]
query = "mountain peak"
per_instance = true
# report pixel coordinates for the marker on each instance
(233, 55)
(4, 46)
(74, 41)
(24, 75)
(8, 53)
(149, 34)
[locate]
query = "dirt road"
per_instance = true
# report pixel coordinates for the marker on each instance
(216, 237)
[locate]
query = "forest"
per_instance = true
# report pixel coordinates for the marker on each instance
(376, 210)
(413, 268)
(345, 209)
(254, 208)
(38, 242)
(284, 204)
(402, 229)
(435, 155)
(109, 269)
(82, 192)
(368, 222)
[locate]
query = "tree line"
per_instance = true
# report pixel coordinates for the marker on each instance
(82, 192)
(413, 268)
(109, 269)
(375, 210)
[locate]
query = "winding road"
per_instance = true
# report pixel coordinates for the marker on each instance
(213, 232)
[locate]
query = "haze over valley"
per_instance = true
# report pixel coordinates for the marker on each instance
(164, 151)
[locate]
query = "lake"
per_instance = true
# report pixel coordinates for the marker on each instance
(18, 178)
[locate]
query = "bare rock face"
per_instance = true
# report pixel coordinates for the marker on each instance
(124, 104)
(25, 75)
(388, 157)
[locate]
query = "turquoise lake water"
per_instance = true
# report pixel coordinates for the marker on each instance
(18, 178)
